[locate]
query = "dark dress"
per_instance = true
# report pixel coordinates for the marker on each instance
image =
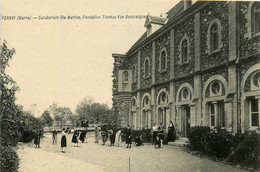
(113, 138)
(171, 133)
(63, 140)
(129, 136)
(138, 141)
(37, 139)
(82, 136)
(75, 137)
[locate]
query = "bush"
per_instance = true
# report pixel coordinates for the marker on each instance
(247, 153)
(9, 159)
(29, 127)
(215, 142)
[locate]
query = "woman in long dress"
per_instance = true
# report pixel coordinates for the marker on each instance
(82, 136)
(128, 137)
(118, 138)
(75, 138)
(171, 132)
(63, 140)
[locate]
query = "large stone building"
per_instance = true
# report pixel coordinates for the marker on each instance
(198, 66)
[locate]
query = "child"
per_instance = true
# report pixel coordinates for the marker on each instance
(104, 137)
(138, 141)
(75, 138)
(54, 137)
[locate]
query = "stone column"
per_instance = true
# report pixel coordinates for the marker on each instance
(216, 109)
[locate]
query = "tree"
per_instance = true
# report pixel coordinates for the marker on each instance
(94, 112)
(83, 110)
(61, 114)
(9, 114)
(46, 118)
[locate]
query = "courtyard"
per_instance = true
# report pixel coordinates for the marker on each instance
(95, 157)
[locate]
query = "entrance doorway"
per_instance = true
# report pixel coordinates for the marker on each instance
(185, 120)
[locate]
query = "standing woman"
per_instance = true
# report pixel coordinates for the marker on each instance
(128, 137)
(75, 138)
(155, 132)
(171, 132)
(82, 136)
(63, 140)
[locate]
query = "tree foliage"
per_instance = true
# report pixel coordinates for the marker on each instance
(9, 114)
(46, 118)
(61, 114)
(94, 112)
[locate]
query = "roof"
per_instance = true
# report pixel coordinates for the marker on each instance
(141, 39)
(155, 20)
(177, 9)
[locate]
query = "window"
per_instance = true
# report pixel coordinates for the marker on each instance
(146, 68)
(212, 114)
(163, 98)
(146, 101)
(217, 114)
(254, 108)
(256, 79)
(184, 51)
(215, 88)
(256, 19)
(163, 62)
(214, 37)
(185, 93)
(134, 74)
(125, 77)
(133, 103)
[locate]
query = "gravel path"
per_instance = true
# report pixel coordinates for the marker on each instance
(95, 157)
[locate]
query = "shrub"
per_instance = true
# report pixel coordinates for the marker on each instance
(9, 159)
(247, 153)
(197, 136)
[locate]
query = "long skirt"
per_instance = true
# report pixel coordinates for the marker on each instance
(74, 139)
(155, 133)
(128, 140)
(171, 135)
(113, 138)
(63, 141)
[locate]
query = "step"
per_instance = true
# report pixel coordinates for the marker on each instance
(183, 139)
(177, 143)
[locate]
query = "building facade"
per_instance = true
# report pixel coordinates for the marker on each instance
(199, 65)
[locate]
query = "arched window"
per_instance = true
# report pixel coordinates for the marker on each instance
(133, 103)
(146, 101)
(184, 50)
(134, 74)
(146, 68)
(163, 98)
(256, 19)
(125, 77)
(214, 37)
(163, 61)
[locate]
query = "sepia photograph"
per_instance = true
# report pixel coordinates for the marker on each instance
(129, 86)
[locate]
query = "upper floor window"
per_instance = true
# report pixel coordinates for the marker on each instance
(184, 49)
(146, 68)
(125, 77)
(163, 98)
(146, 101)
(214, 37)
(134, 74)
(256, 19)
(163, 60)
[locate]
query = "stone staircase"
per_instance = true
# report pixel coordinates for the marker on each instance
(181, 142)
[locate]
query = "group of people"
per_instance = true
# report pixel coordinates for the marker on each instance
(159, 136)
(111, 136)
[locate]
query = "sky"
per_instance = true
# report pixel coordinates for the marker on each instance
(65, 60)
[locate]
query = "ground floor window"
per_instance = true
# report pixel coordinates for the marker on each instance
(254, 111)
(162, 116)
(217, 114)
